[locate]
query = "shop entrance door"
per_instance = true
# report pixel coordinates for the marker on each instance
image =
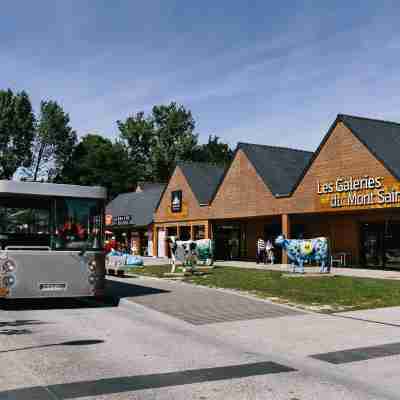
(391, 235)
(227, 241)
(372, 245)
(381, 244)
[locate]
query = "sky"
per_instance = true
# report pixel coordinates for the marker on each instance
(268, 72)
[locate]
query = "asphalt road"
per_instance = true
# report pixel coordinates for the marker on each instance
(166, 340)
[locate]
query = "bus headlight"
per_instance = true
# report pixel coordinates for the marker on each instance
(8, 281)
(9, 266)
(92, 279)
(92, 265)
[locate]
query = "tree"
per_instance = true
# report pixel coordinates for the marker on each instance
(137, 132)
(157, 142)
(17, 129)
(174, 138)
(98, 161)
(54, 142)
(213, 152)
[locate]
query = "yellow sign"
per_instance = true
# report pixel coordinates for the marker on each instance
(358, 192)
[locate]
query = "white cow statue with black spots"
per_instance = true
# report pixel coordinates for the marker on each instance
(191, 252)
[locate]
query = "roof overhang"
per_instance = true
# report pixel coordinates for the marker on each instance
(51, 190)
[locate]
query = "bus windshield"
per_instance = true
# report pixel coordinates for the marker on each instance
(57, 224)
(78, 224)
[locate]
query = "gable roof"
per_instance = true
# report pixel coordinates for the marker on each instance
(279, 167)
(202, 178)
(381, 138)
(141, 205)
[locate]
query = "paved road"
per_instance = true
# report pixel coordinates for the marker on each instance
(167, 340)
(345, 271)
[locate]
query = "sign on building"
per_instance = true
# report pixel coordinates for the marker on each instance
(122, 220)
(358, 191)
(176, 201)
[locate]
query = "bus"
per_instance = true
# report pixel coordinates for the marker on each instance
(51, 240)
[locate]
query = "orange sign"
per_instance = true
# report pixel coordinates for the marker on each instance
(3, 292)
(108, 219)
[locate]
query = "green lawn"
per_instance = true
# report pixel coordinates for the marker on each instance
(151, 270)
(336, 293)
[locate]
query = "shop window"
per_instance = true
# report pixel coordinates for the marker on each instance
(172, 231)
(184, 233)
(199, 232)
(243, 240)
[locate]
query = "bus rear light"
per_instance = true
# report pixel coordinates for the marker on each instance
(9, 266)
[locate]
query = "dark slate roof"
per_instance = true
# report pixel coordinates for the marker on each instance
(382, 138)
(202, 178)
(279, 167)
(141, 205)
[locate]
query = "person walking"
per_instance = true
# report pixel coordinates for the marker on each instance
(270, 251)
(261, 250)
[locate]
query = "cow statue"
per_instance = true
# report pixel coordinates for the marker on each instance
(300, 251)
(190, 252)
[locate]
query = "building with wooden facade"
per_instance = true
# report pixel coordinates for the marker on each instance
(347, 190)
(184, 207)
(129, 218)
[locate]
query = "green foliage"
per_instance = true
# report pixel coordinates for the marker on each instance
(174, 139)
(213, 152)
(157, 142)
(337, 292)
(98, 161)
(147, 149)
(54, 142)
(17, 129)
(137, 133)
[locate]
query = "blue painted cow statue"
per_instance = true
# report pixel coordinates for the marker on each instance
(300, 251)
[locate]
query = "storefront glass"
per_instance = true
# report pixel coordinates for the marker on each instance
(380, 244)
(184, 233)
(172, 231)
(199, 232)
(227, 241)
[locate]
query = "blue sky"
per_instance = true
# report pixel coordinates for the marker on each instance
(270, 72)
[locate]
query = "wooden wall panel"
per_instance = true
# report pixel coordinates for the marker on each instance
(343, 155)
(244, 194)
(191, 209)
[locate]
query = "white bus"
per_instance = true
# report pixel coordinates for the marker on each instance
(51, 240)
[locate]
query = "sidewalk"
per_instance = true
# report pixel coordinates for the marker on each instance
(155, 260)
(357, 272)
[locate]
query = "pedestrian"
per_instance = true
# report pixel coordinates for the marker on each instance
(173, 247)
(261, 250)
(270, 251)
